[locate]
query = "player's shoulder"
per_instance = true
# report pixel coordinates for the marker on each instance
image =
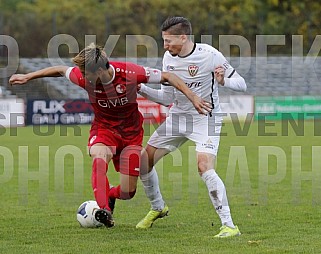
(75, 76)
(125, 67)
(203, 48)
(167, 55)
(74, 71)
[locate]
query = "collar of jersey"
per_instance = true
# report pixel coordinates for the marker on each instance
(189, 52)
(112, 79)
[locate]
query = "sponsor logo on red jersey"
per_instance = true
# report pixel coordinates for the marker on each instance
(120, 88)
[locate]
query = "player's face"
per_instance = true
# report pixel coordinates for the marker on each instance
(91, 76)
(172, 43)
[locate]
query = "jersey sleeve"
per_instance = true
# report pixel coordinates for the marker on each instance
(75, 76)
(154, 75)
(161, 96)
(134, 73)
(221, 60)
(232, 79)
(140, 74)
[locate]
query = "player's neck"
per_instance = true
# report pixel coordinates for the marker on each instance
(186, 49)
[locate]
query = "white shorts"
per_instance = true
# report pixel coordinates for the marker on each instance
(204, 131)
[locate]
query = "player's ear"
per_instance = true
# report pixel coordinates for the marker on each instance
(183, 38)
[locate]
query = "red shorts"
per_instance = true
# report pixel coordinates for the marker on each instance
(126, 153)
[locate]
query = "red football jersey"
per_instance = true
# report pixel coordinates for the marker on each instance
(115, 104)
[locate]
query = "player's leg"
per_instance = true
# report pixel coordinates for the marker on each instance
(101, 156)
(149, 179)
(217, 193)
(164, 140)
(148, 175)
(207, 144)
(125, 190)
(161, 143)
(126, 162)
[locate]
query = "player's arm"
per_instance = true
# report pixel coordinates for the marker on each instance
(232, 81)
(147, 75)
(200, 105)
(156, 76)
(54, 71)
(164, 96)
(226, 75)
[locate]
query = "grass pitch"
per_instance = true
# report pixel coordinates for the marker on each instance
(272, 176)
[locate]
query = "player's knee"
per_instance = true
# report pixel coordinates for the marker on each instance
(105, 157)
(205, 162)
(202, 167)
(127, 195)
(101, 152)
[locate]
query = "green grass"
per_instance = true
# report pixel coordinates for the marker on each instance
(275, 211)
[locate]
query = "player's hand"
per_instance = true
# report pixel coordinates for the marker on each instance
(219, 73)
(18, 79)
(203, 107)
(138, 87)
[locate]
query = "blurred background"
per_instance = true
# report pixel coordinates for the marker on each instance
(34, 22)
(291, 66)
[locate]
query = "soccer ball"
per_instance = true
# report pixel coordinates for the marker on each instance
(86, 215)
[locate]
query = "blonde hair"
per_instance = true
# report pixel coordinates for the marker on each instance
(91, 59)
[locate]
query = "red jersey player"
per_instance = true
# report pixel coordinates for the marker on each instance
(116, 132)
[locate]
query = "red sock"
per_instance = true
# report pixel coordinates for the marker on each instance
(100, 182)
(116, 192)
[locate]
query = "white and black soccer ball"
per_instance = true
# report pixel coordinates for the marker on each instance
(86, 214)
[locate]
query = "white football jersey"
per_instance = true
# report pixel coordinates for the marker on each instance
(197, 71)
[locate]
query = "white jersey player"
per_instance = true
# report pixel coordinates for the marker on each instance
(197, 70)
(203, 69)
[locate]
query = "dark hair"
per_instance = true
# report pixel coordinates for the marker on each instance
(177, 26)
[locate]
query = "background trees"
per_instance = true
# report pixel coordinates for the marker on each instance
(34, 22)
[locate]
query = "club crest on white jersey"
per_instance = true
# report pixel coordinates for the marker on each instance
(192, 69)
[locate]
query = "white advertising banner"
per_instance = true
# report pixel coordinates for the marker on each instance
(12, 112)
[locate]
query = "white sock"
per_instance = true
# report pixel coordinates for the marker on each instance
(217, 193)
(151, 187)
